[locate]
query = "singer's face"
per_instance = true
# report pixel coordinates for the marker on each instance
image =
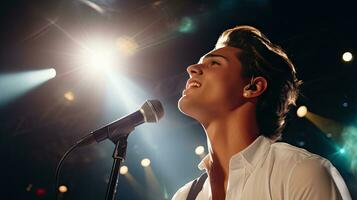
(215, 85)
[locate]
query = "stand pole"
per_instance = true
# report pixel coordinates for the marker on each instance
(118, 156)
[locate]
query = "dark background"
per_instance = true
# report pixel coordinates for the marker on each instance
(38, 127)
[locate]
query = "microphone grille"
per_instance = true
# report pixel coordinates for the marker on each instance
(152, 110)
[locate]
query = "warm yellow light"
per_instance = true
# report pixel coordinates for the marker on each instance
(301, 111)
(69, 96)
(347, 56)
(200, 150)
(62, 189)
(127, 46)
(145, 162)
(123, 170)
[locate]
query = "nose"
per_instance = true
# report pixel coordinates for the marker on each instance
(194, 70)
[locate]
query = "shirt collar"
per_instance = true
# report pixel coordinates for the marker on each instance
(248, 157)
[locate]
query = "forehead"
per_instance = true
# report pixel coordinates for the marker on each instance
(228, 53)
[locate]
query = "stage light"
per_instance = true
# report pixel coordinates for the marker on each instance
(62, 189)
(98, 56)
(126, 46)
(69, 96)
(200, 150)
(301, 111)
(347, 56)
(13, 85)
(145, 162)
(123, 170)
(52, 73)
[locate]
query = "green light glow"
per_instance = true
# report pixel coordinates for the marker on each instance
(187, 25)
(349, 136)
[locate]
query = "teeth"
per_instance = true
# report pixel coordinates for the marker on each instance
(194, 84)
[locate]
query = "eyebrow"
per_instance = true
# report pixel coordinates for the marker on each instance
(210, 55)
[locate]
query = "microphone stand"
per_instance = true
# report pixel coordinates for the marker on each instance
(118, 156)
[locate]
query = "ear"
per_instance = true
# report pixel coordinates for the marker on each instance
(255, 87)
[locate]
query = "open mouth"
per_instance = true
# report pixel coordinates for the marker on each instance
(193, 84)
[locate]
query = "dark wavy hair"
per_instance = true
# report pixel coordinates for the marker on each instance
(260, 57)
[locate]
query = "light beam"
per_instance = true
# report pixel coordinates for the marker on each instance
(14, 85)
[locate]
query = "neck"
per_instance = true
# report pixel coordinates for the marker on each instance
(228, 135)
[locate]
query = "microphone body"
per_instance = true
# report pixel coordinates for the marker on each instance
(151, 111)
(122, 126)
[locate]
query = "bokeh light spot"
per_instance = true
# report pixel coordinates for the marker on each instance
(200, 150)
(62, 189)
(123, 170)
(40, 192)
(347, 56)
(145, 162)
(187, 25)
(69, 96)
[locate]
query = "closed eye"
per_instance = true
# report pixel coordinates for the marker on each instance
(213, 62)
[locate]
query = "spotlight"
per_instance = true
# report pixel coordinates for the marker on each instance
(123, 170)
(14, 85)
(62, 189)
(347, 56)
(98, 56)
(69, 96)
(51, 73)
(301, 111)
(200, 150)
(145, 162)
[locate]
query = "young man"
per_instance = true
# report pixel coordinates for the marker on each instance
(241, 92)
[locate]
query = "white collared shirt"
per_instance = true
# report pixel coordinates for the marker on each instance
(276, 171)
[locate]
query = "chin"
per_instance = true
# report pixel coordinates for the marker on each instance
(188, 107)
(181, 104)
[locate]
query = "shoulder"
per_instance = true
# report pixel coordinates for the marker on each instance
(308, 174)
(300, 162)
(182, 193)
(288, 151)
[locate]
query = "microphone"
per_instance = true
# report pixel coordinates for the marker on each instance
(151, 111)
